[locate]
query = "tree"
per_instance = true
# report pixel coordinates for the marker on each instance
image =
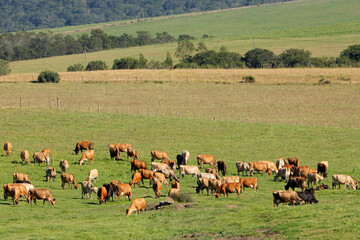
(48, 77)
(96, 65)
(125, 63)
(352, 53)
(142, 62)
(294, 57)
(201, 47)
(76, 68)
(259, 58)
(4, 67)
(168, 62)
(184, 50)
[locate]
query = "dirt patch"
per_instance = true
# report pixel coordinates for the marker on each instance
(182, 206)
(263, 233)
(232, 206)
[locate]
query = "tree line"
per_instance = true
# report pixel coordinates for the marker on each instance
(19, 15)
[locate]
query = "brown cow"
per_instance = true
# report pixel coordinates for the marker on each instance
(80, 146)
(294, 161)
(158, 155)
(146, 174)
(50, 173)
(213, 171)
(214, 185)
(24, 155)
(203, 183)
(102, 195)
(322, 168)
(15, 194)
(41, 158)
(259, 166)
(271, 165)
(114, 151)
(87, 188)
(69, 179)
(281, 196)
(136, 177)
(87, 156)
(8, 148)
(228, 188)
(294, 182)
(170, 163)
(131, 152)
(23, 192)
(138, 205)
(64, 165)
(47, 154)
(347, 180)
(249, 183)
(123, 190)
(21, 177)
(93, 175)
(161, 178)
(44, 194)
(221, 165)
(20, 192)
(173, 193)
(137, 164)
(157, 188)
(175, 184)
(206, 159)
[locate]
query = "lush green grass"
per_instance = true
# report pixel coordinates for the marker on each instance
(73, 217)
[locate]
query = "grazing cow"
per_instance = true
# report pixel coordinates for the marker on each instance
(297, 170)
(322, 186)
(22, 191)
(283, 173)
(146, 174)
(281, 196)
(188, 170)
(87, 188)
(294, 161)
(156, 166)
(114, 183)
(206, 159)
(69, 179)
(305, 172)
(202, 183)
(281, 162)
(230, 179)
(41, 158)
(228, 188)
(294, 182)
(123, 147)
(157, 155)
(169, 174)
(249, 183)
(24, 155)
(259, 166)
(9, 186)
(206, 175)
(15, 194)
(213, 171)
(170, 163)
(214, 185)
(50, 173)
(131, 152)
(93, 175)
(314, 178)
(161, 178)
(221, 166)
(157, 188)
(175, 184)
(136, 177)
(242, 167)
(80, 146)
(39, 193)
(308, 196)
(173, 193)
(322, 168)
(102, 195)
(137, 165)
(114, 151)
(123, 190)
(20, 177)
(186, 156)
(64, 165)
(271, 166)
(180, 160)
(47, 154)
(8, 148)
(347, 180)
(110, 191)
(137, 205)
(87, 156)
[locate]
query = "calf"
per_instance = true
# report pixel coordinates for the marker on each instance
(24, 155)
(88, 156)
(87, 188)
(50, 173)
(249, 183)
(123, 190)
(157, 155)
(69, 179)
(146, 174)
(206, 159)
(93, 175)
(137, 205)
(131, 152)
(80, 146)
(259, 166)
(8, 148)
(242, 167)
(44, 194)
(20, 177)
(64, 165)
(41, 158)
(137, 165)
(228, 188)
(314, 178)
(188, 170)
(136, 177)
(221, 166)
(161, 178)
(157, 188)
(286, 196)
(294, 182)
(347, 180)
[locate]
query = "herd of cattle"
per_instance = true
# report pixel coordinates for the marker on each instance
(289, 169)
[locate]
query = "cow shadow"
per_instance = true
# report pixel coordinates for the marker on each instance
(5, 203)
(148, 197)
(91, 203)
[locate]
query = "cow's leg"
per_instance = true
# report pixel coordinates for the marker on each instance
(44, 202)
(62, 185)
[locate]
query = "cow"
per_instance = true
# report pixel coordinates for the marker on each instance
(281, 162)
(259, 166)
(20, 177)
(206, 175)
(137, 205)
(80, 146)
(213, 171)
(41, 158)
(221, 166)
(136, 177)
(281, 196)
(297, 170)
(123, 147)
(314, 178)
(242, 167)
(69, 179)
(249, 183)
(137, 165)
(158, 155)
(157, 188)
(21, 191)
(180, 160)
(114, 183)
(322, 168)
(87, 188)
(169, 174)
(114, 151)
(206, 159)
(64, 165)
(9, 186)
(230, 179)
(8, 148)
(347, 180)
(294, 182)
(214, 185)
(175, 184)
(47, 154)
(305, 172)
(102, 195)
(188, 170)
(161, 178)
(87, 156)
(271, 166)
(93, 175)
(39, 193)
(123, 190)
(109, 190)
(293, 161)
(228, 188)
(156, 166)
(170, 163)
(50, 173)
(322, 186)
(308, 196)
(283, 173)
(146, 174)
(24, 155)
(173, 192)
(131, 152)
(202, 183)
(186, 156)
(15, 194)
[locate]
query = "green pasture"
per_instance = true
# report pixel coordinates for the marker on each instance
(334, 217)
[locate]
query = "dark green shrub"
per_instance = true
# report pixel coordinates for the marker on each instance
(76, 68)
(294, 57)
(182, 197)
(48, 77)
(4, 67)
(96, 65)
(259, 58)
(248, 79)
(352, 53)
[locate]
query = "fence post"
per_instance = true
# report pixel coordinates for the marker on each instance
(20, 102)
(98, 107)
(58, 102)
(49, 103)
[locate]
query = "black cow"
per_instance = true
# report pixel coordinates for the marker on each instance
(321, 168)
(296, 182)
(110, 191)
(308, 196)
(180, 160)
(221, 165)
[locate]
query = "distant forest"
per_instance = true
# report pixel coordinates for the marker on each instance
(22, 15)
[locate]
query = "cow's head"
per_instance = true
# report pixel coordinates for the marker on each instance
(217, 195)
(53, 201)
(76, 185)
